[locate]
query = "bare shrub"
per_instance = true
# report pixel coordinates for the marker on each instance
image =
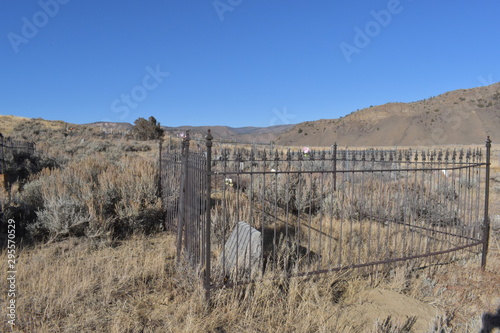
(63, 216)
(96, 197)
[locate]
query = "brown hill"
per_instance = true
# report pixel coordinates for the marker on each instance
(464, 116)
(9, 123)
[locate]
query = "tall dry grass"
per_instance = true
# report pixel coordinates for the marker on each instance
(134, 286)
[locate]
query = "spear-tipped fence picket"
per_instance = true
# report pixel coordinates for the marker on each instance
(323, 211)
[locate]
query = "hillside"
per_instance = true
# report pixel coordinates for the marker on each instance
(464, 116)
(9, 123)
(111, 127)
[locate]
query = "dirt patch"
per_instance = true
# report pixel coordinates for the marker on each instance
(379, 304)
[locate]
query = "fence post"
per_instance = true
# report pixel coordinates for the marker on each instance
(182, 197)
(208, 217)
(486, 226)
(160, 185)
(335, 166)
(2, 154)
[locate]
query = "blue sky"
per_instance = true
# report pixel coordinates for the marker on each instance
(238, 62)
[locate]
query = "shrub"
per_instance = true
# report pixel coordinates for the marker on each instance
(95, 197)
(147, 129)
(135, 148)
(20, 165)
(62, 216)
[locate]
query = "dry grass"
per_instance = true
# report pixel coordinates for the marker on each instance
(7, 123)
(80, 285)
(134, 286)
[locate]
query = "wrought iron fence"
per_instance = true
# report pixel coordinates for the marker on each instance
(10, 147)
(239, 213)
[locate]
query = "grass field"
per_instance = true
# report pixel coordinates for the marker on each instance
(134, 286)
(102, 281)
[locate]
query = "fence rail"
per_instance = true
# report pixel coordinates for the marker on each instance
(240, 213)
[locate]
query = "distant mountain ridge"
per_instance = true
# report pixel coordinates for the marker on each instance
(225, 133)
(239, 134)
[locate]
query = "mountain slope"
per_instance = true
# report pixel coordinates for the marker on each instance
(464, 116)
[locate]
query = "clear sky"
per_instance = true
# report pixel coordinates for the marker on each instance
(238, 62)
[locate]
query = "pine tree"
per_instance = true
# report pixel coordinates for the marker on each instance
(147, 129)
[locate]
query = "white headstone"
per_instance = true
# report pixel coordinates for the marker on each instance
(243, 251)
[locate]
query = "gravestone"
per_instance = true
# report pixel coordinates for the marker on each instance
(243, 251)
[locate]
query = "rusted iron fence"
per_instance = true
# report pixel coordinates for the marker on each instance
(240, 213)
(10, 147)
